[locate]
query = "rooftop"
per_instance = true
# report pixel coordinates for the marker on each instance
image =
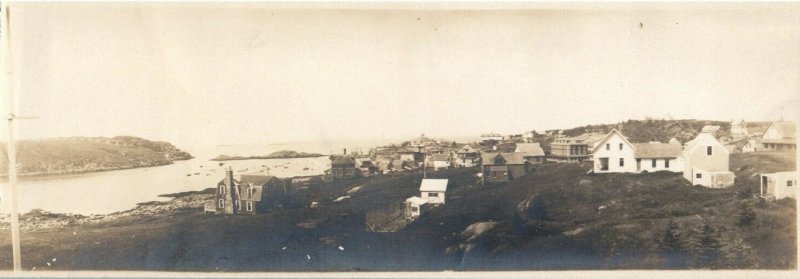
(433, 185)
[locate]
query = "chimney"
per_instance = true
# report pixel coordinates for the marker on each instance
(345, 151)
(228, 174)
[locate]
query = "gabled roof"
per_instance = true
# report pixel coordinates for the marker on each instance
(255, 179)
(530, 149)
(511, 158)
(657, 150)
(608, 136)
(416, 200)
(342, 160)
(702, 139)
(244, 193)
(433, 185)
(439, 157)
(786, 129)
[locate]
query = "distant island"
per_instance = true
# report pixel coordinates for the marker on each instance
(90, 154)
(283, 154)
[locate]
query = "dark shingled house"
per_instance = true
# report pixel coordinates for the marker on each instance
(503, 166)
(251, 194)
(343, 166)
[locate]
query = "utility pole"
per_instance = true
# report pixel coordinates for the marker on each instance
(11, 144)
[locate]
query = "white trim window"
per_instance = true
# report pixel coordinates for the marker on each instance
(238, 205)
(221, 203)
(222, 189)
(249, 206)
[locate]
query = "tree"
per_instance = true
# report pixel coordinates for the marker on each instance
(746, 215)
(745, 194)
(670, 239)
(706, 248)
(672, 247)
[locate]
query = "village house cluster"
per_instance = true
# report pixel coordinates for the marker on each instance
(703, 160)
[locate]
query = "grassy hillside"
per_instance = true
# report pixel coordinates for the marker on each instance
(558, 217)
(79, 154)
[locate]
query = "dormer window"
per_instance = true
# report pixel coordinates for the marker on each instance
(222, 189)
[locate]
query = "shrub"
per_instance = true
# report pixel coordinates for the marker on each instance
(746, 215)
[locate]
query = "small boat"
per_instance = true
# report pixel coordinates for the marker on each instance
(188, 174)
(221, 163)
(197, 173)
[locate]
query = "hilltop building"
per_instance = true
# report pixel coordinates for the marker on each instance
(422, 141)
(491, 138)
(616, 154)
(706, 162)
(779, 185)
(780, 136)
(251, 194)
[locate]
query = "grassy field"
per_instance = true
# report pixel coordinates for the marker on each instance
(558, 217)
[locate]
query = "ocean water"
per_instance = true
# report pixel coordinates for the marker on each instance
(112, 191)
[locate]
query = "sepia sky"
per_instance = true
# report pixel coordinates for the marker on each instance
(228, 74)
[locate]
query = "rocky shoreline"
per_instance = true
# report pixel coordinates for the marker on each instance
(38, 219)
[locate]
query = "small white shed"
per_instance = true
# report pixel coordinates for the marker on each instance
(433, 190)
(779, 185)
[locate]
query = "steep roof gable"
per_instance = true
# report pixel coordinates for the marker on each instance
(610, 135)
(786, 129)
(702, 139)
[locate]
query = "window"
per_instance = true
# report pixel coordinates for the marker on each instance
(699, 175)
(252, 191)
(666, 163)
(221, 203)
(249, 206)
(653, 162)
(708, 150)
(238, 205)
(608, 146)
(621, 162)
(414, 209)
(620, 146)
(222, 190)
(433, 194)
(788, 183)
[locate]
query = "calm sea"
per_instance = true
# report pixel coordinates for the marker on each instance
(112, 191)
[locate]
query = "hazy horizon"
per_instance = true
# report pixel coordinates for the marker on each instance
(205, 74)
